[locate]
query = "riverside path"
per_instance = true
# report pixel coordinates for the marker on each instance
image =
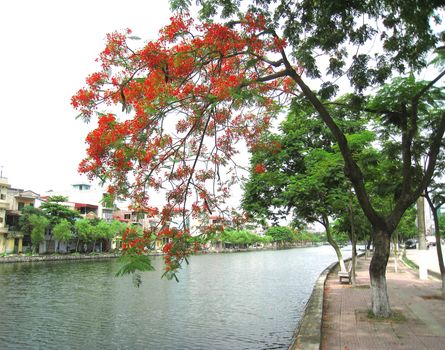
(346, 325)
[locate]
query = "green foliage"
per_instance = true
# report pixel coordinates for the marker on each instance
(304, 170)
(55, 211)
(83, 229)
(117, 228)
(101, 230)
(39, 225)
(442, 224)
(240, 237)
(24, 221)
(340, 237)
(407, 226)
(404, 32)
(280, 234)
(87, 230)
(131, 264)
(107, 200)
(360, 224)
(62, 230)
(304, 237)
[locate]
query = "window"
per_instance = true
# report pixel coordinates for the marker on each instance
(21, 205)
(127, 216)
(2, 196)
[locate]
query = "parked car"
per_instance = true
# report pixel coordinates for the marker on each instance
(410, 244)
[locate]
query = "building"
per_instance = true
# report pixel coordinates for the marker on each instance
(87, 199)
(12, 202)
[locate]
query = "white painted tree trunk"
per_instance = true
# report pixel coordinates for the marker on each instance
(379, 296)
(377, 274)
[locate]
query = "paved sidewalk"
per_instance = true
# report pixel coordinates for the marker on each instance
(346, 325)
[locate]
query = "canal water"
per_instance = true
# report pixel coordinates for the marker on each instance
(251, 300)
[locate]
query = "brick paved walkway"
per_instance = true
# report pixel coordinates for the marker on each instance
(346, 326)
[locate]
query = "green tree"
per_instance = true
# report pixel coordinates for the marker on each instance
(102, 230)
(62, 232)
(24, 221)
(56, 211)
(117, 229)
(280, 234)
(39, 225)
(83, 230)
(304, 170)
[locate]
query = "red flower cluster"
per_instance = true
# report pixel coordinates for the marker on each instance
(260, 168)
(133, 242)
(190, 96)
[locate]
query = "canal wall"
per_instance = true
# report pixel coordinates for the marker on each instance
(308, 333)
(17, 258)
(55, 257)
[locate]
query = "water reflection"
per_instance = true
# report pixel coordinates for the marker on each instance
(228, 301)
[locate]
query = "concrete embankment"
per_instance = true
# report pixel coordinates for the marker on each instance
(308, 333)
(55, 257)
(15, 258)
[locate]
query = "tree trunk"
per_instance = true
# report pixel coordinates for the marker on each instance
(353, 241)
(421, 223)
(333, 243)
(354, 259)
(440, 256)
(396, 251)
(438, 244)
(377, 274)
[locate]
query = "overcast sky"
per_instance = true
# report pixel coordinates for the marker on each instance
(48, 49)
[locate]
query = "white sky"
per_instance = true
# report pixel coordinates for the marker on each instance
(48, 49)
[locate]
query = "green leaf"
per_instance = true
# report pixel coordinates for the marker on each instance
(131, 264)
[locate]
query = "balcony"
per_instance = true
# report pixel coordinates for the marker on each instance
(14, 233)
(4, 204)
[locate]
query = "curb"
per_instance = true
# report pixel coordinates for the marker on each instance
(308, 333)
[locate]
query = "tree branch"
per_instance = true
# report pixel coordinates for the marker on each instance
(353, 171)
(417, 97)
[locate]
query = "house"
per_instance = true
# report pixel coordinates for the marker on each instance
(12, 202)
(87, 199)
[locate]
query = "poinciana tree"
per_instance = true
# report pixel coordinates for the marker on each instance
(194, 93)
(200, 88)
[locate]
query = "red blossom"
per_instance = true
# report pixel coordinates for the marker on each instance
(260, 168)
(190, 97)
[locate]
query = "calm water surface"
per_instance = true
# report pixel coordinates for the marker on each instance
(248, 300)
